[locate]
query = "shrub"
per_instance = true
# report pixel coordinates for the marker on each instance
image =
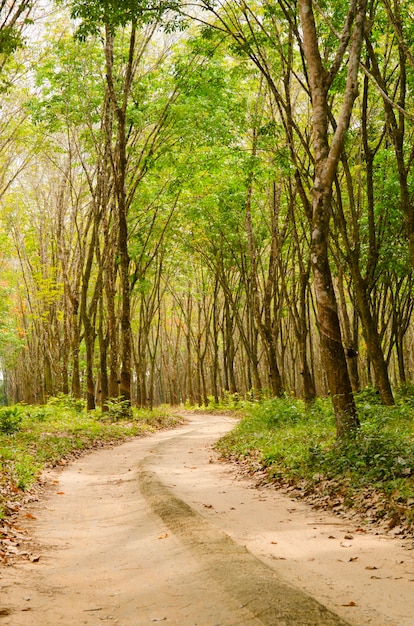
(10, 420)
(118, 409)
(67, 402)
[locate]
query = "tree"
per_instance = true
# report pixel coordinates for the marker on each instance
(326, 158)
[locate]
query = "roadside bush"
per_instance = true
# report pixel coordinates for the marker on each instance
(67, 402)
(372, 456)
(117, 410)
(10, 420)
(280, 411)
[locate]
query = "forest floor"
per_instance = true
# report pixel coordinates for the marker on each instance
(158, 529)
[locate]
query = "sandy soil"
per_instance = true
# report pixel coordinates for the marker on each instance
(156, 530)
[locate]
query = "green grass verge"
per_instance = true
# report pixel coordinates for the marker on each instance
(285, 442)
(35, 437)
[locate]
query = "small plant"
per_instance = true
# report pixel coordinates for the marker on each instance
(405, 394)
(67, 402)
(10, 420)
(368, 396)
(118, 409)
(38, 413)
(26, 471)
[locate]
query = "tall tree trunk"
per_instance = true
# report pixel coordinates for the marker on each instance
(350, 338)
(326, 158)
(120, 173)
(103, 358)
(90, 334)
(75, 345)
(373, 340)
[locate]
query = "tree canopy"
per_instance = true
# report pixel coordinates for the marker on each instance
(206, 200)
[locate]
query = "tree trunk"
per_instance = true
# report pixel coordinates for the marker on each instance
(326, 158)
(76, 383)
(120, 171)
(333, 354)
(373, 341)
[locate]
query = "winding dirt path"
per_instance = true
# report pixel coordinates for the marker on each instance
(156, 531)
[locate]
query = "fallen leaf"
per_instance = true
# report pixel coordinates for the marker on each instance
(164, 536)
(274, 543)
(352, 603)
(60, 493)
(30, 516)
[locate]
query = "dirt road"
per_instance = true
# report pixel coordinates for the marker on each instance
(156, 530)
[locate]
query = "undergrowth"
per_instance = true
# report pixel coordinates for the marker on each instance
(283, 441)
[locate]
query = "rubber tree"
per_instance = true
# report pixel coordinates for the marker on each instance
(137, 21)
(327, 153)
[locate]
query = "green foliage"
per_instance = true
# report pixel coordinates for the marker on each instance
(118, 13)
(69, 86)
(10, 420)
(118, 409)
(26, 469)
(375, 456)
(67, 402)
(405, 395)
(368, 396)
(228, 403)
(10, 40)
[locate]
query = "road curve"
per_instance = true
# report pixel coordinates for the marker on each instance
(129, 536)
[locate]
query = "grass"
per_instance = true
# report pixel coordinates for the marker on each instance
(35, 437)
(283, 441)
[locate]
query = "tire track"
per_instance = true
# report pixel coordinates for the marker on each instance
(233, 568)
